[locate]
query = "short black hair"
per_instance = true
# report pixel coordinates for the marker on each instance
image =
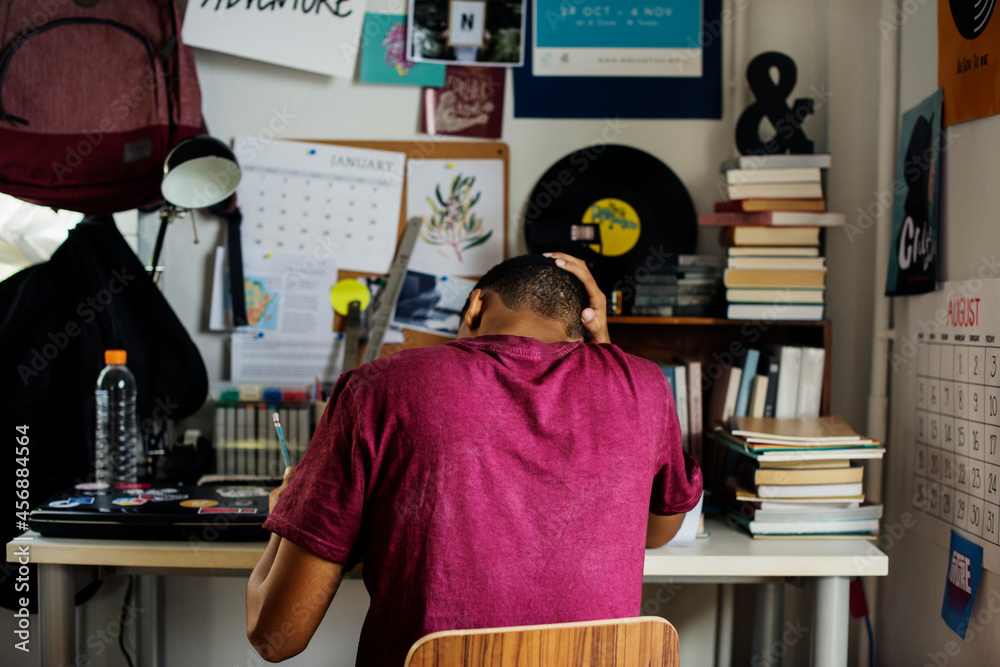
(534, 282)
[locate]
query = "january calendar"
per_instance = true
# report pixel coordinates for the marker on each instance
(954, 339)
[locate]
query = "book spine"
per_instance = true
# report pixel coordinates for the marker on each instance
(771, 399)
(681, 400)
(786, 403)
(695, 416)
(810, 382)
(749, 371)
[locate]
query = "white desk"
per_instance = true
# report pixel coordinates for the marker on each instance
(726, 557)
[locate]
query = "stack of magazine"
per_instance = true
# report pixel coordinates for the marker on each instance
(799, 477)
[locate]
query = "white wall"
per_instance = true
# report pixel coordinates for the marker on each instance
(242, 97)
(911, 629)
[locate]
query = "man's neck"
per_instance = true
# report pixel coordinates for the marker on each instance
(529, 325)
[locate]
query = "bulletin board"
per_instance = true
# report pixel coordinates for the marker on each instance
(952, 349)
(433, 150)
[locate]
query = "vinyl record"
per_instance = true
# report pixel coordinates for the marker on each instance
(642, 213)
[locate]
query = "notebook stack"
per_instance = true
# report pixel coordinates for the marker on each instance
(798, 477)
(770, 219)
(690, 286)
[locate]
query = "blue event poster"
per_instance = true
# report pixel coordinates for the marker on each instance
(965, 561)
(916, 193)
(634, 38)
(693, 91)
(383, 55)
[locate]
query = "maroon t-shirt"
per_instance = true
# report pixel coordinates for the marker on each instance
(490, 482)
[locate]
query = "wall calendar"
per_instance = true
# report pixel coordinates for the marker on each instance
(954, 340)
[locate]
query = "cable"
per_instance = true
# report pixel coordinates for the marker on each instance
(121, 621)
(871, 642)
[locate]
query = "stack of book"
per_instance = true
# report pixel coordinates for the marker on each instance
(771, 220)
(689, 286)
(796, 477)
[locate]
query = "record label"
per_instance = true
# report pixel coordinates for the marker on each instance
(619, 226)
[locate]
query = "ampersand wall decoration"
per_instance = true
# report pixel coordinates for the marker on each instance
(770, 101)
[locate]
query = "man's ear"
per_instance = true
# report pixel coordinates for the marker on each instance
(474, 313)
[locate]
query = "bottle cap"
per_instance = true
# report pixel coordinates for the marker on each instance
(114, 356)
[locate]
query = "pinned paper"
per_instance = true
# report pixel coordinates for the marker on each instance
(319, 37)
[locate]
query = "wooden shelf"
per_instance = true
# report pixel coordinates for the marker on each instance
(716, 340)
(708, 321)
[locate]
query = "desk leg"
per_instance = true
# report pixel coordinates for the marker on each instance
(769, 616)
(831, 612)
(57, 615)
(724, 631)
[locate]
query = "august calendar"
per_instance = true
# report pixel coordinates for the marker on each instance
(954, 340)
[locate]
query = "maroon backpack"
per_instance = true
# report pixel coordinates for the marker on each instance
(93, 94)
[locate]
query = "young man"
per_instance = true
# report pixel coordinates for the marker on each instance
(510, 477)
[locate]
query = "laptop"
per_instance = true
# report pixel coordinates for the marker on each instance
(155, 511)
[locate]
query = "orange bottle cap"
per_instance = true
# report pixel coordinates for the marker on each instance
(114, 356)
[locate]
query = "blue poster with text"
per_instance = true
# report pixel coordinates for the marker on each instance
(964, 564)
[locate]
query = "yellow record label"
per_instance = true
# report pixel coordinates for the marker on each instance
(619, 226)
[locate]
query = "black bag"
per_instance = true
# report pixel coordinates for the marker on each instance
(58, 318)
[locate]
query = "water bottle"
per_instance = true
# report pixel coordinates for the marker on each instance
(117, 432)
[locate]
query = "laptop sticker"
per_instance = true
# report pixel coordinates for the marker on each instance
(91, 486)
(241, 491)
(227, 510)
(199, 502)
(129, 501)
(164, 497)
(71, 502)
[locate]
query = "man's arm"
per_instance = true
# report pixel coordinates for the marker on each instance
(661, 529)
(288, 594)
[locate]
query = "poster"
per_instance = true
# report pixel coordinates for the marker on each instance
(634, 38)
(968, 59)
(614, 97)
(320, 36)
(460, 203)
(470, 104)
(383, 55)
(965, 564)
(916, 189)
(476, 32)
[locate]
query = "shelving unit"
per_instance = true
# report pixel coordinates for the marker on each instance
(717, 340)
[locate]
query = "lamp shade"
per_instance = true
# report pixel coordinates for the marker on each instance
(199, 172)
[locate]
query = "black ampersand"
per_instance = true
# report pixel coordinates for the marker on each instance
(770, 102)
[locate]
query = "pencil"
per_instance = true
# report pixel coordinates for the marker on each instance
(281, 441)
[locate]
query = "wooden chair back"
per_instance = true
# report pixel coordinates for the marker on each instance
(647, 641)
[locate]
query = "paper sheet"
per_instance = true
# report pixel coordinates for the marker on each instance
(321, 200)
(685, 537)
(270, 358)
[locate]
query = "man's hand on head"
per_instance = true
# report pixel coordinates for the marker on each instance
(594, 318)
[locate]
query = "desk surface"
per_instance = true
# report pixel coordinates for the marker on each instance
(726, 552)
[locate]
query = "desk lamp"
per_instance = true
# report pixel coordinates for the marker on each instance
(199, 172)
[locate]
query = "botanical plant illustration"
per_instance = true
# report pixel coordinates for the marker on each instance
(453, 223)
